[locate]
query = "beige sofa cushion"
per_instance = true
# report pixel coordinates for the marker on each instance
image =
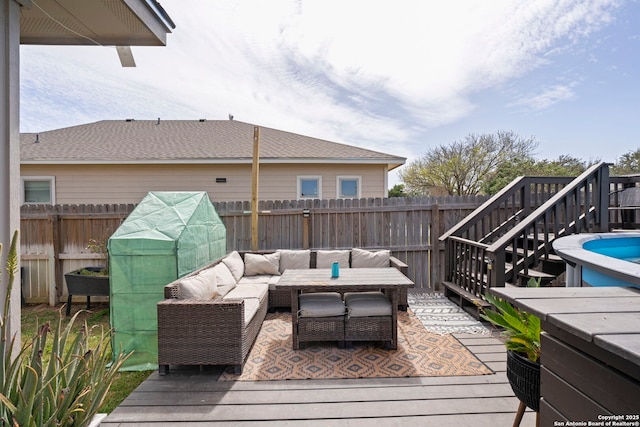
(294, 259)
(248, 290)
(255, 264)
(234, 262)
(198, 286)
(269, 279)
(361, 258)
(325, 258)
(224, 278)
(251, 306)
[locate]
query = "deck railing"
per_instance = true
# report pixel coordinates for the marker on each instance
(581, 206)
(500, 213)
(513, 231)
(624, 215)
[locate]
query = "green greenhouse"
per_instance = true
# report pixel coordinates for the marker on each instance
(168, 235)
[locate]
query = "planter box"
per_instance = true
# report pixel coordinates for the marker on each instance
(79, 284)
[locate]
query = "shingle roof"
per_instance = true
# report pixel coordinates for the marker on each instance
(186, 141)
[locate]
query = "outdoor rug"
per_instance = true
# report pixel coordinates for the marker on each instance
(420, 353)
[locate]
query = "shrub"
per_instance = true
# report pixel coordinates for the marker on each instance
(63, 387)
(521, 329)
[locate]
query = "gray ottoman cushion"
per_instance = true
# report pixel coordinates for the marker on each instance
(321, 304)
(365, 304)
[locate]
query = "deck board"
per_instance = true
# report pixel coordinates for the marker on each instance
(300, 411)
(456, 420)
(191, 397)
(328, 395)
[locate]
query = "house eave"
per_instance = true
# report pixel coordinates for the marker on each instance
(218, 161)
(125, 23)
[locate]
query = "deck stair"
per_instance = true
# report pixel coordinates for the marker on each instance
(508, 239)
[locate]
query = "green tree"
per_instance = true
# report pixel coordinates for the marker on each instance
(463, 167)
(564, 165)
(627, 164)
(507, 173)
(397, 191)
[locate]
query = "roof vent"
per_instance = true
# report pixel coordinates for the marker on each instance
(230, 116)
(202, 120)
(129, 120)
(158, 121)
(37, 138)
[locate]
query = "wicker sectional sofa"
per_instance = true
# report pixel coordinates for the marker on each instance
(213, 315)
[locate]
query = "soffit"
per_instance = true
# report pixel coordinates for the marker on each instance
(90, 22)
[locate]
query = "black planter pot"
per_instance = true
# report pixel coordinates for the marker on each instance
(524, 377)
(80, 284)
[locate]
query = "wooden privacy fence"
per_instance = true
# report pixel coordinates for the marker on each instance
(54, 239)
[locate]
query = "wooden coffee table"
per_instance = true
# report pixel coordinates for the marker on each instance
(389, 280)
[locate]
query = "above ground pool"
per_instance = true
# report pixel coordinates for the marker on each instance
(601, 259)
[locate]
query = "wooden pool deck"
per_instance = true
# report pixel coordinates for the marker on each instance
(194, 398)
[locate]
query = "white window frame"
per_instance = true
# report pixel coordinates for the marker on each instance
(339, 180)
(52, 188)
(299, 180)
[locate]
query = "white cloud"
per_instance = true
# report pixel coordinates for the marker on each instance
(548, 97)
(369, 73)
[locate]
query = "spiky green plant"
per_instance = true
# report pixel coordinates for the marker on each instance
(521, 329)
(65, 388)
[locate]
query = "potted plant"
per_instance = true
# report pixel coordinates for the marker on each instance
(521, 331)
(90, 280)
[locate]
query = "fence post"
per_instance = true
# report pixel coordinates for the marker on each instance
(305, 228)
(56, 267)
(434, 242)
(51, 274)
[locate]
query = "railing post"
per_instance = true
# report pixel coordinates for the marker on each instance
(526, 197)
(498, 261)
(448, 255)
(602, 198)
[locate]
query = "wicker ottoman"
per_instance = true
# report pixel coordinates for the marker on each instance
(321, 317)
(369, 318)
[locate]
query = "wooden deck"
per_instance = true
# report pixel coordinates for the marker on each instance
(191, 398)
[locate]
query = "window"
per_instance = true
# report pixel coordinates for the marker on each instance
(309, 187)
(348, 187)
(38, 189)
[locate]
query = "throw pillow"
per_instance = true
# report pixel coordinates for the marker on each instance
(198, 286)
(224, 279)
(294, 259)
(361, 258)
(209, 274)
(325, 258)
(255, 264)
(235, 264)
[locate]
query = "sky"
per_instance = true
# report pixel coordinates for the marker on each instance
(397, 77)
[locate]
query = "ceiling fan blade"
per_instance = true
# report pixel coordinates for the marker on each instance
(126, 56)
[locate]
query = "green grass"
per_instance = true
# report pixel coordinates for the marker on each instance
(97, 317)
